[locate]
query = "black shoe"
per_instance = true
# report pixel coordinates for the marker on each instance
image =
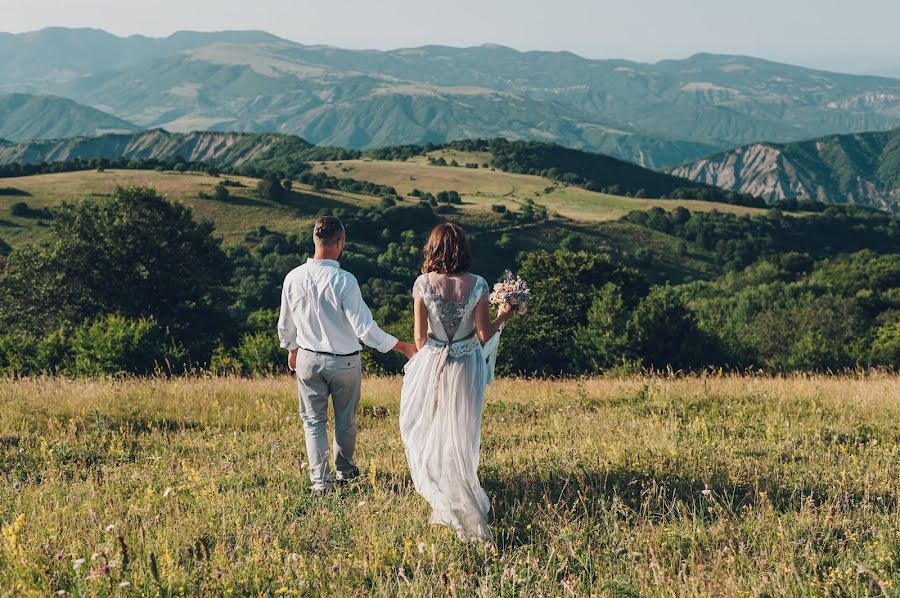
(347, 480)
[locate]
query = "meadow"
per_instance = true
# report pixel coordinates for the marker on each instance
(242, 213)
(483, 187)
(724, 485)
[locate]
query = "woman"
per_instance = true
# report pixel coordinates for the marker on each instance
(443, 386)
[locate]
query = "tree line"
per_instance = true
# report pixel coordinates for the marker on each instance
(134, 284)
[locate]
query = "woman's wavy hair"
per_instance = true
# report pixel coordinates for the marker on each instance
(447, 250)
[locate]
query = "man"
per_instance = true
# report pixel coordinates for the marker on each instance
(322, 316)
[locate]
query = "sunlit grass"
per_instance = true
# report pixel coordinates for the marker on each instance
(640, 486)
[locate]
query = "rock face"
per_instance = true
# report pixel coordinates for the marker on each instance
(861, 169)
(231, 149)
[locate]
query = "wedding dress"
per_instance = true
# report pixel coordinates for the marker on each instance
(441, 404)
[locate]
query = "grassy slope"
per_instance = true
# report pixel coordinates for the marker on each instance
(716, 486)
(484, 187)
(233, 219)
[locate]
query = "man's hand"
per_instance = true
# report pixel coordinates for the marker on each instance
(405, 348)
(292, 360)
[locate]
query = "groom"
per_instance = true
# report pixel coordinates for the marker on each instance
(322, 316)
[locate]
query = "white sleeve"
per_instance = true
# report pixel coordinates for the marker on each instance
(287, 329)
(360, 317)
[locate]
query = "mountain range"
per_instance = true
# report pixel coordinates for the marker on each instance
(657, 115)
(860, 169)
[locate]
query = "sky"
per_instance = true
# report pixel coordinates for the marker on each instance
(852, 36)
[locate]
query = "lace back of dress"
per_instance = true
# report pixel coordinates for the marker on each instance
(449, 300)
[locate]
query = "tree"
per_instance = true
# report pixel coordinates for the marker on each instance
(221, 193)
(563, 286)
(269, 188)
(662, 332)
(137, 255)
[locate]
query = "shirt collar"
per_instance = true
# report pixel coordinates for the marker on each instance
(332, 263)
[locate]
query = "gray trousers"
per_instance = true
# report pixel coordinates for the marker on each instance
(319, 376)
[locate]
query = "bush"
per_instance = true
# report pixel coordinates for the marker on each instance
(886, 346)
(224, 363)
(260, 353)
(115, 346)
(505, 241)
(571, 242)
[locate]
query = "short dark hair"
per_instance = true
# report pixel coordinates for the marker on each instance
(328, 230)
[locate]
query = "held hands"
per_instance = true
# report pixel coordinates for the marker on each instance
(407, 349)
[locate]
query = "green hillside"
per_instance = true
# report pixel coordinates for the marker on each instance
(26, 117)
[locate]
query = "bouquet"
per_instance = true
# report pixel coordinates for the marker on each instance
(512, 290)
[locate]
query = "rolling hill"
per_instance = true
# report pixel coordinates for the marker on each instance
(27, 117)
(291, 155)
(861, 169)
(656, 115)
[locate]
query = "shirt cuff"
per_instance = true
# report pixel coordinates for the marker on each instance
(389, 342)
(289, 346)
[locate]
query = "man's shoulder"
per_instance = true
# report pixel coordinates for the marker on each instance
(295, 273)
(347, 277)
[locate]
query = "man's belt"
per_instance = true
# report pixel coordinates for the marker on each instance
(327, 354)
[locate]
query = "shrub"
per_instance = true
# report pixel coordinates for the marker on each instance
(259, 353)
(114, 345)
(571, 242)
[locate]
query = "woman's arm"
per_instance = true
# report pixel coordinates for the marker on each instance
(421, 316)
(486, 327)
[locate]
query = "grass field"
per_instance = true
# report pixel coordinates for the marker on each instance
(482, 187)
(640, 486)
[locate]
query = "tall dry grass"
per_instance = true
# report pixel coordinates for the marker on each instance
(639, 486)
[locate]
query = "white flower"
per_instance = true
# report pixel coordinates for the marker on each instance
(110, 527)
(124, 584)
(77, 563)
(421, 547)
(167, 492)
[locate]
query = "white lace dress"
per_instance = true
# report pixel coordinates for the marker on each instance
(441, 404)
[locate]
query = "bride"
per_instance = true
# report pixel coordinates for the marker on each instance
(443, 385)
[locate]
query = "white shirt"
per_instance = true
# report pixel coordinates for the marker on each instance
(322, 309)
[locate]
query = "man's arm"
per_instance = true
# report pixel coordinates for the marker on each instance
(287, 329)
(360, 317)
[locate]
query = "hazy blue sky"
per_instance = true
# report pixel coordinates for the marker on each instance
(859, 35)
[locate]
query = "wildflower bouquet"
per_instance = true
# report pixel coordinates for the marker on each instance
(513, 291)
